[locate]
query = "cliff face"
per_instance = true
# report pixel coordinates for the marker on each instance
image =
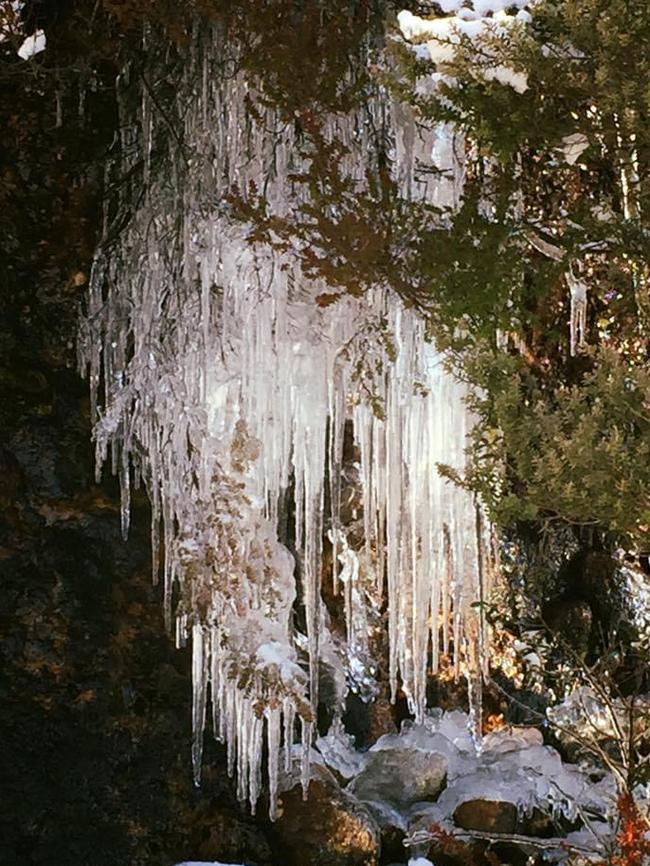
(95, 721)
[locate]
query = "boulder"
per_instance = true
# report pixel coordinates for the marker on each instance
(486, 816)
(393, 826)
(330, 828)
(400, 776)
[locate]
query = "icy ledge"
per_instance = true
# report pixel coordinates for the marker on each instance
(512, 786)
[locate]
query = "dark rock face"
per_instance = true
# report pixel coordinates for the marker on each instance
(330, 828)
(95, 722)
(95, 765)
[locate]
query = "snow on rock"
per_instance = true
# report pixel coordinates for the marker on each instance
(443, 36)
(514, 784)
(33, 45)
(572, 146)
(530, 776)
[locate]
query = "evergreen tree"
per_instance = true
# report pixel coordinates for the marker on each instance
(553, 105)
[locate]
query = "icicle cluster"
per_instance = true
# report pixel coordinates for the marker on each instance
(220, 384)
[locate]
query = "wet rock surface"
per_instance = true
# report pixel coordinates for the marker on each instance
(487, 816)
(330, 828)
(95, 764)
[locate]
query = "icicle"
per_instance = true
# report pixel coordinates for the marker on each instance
(59, 109)
(200, 662)
(305, 768)
(289, 718)
(273, 728)
(219, 379)
(254, 758)
(578, 315)
(216, 681)
(125, 494)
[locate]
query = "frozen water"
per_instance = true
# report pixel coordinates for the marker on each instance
(219, 383)
(578, 315)
(339, 753)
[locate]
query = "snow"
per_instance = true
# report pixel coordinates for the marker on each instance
(33, 45)
(282, 657)
(572, 147)
(444, 35)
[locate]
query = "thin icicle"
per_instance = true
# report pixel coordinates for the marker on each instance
(578, 314)
(200, 662)
(273, 730)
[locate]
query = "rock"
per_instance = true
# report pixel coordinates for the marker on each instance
(368, 720)
(330, 828)
(400, 776)
(486, 816)
(231, 839)
(11, 480)
(573, 619)
(392, 842)
(381, 719)
(393, 826)
(537, 823)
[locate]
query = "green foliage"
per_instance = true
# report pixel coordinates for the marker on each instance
(577, 453)
(559, 438)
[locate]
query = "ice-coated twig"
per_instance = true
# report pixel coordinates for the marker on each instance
(578, 314)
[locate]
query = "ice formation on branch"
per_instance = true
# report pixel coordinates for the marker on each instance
(578, 314)
(219, 383)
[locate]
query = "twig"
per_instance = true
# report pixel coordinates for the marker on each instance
(534, 841)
